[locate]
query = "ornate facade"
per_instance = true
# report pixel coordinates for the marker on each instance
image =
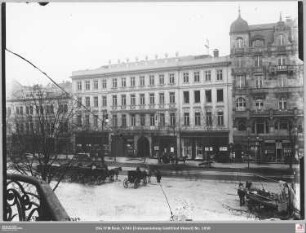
(267, 90)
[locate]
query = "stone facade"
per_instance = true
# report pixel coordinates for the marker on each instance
(267, 90)
(152, 107)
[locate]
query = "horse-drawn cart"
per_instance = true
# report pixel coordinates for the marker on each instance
(135, 178)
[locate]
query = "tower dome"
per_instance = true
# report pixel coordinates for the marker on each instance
(239, 25)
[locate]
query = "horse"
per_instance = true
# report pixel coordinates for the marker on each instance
(114, 172)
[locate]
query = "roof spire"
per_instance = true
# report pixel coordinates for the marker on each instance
(239, 14)
(280, 17)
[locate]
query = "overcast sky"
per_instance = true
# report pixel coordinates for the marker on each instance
(63, 37)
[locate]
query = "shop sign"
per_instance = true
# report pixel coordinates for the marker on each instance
(278, 145)
(208, 149)
(171, 149)
(223, 148)
(156, 147)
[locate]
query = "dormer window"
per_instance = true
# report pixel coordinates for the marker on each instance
(240, 43)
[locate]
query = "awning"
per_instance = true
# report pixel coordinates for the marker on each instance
(269, 141)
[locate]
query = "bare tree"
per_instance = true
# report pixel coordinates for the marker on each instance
(43, 125)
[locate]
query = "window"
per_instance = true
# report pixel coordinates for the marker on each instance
(162, 119)
(123, 82)
(132, 81)
(282, 81)
(172, 119)
(152, 98)
(219, 75)
(49, 109)
(259, 104)
(281, 60)
(171, 79)
(219, 95)
(87, 101)
(197, 97)
(172, 97)
(196, 76)
(258, 43)
(79, 102)
(79, 86)
(240, 104)
(133, 100)
(186, 97)
(142, 99)
(161, 79)
(95, 123)
(87, 85)
(260, 126)
(104, 84)
(87, 120)
(151, 80)
(123, 100)
(115, 100)
(259, 81)
(186, 77)
(283, 125)
(186, 119)
(79, 120)
(133, 120)
(240, 43)
(152, 120)
(258, 61)
(208, 75)
(208, 96)
(240, 62)
(96, 84)
(242, 125)
(197, 119)
(161, 98)
(220, 118)
(142, 81)
(104, 101)
(96, 103)
(115, 121)
(281, 40)
(240, 81)
(208, 118)
(142, 120)
(282, 103)
(123, 119)
(114, 83)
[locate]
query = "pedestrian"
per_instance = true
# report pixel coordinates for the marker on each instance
(241, 194)
(158, 175)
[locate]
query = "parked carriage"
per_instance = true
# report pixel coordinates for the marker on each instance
(135, 178)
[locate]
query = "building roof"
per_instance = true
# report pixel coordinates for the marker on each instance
(165, 63)
(239, 25)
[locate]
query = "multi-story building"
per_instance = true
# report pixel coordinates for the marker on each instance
(35, 113)
(267, 90)
(145, 108)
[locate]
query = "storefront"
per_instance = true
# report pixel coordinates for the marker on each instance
(201, 146)
(163, 145)
(92, 142)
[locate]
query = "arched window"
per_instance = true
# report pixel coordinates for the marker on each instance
(258, 43)
(240, 43)
(240, 104)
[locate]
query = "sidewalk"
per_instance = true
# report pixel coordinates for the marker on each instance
(195, 164)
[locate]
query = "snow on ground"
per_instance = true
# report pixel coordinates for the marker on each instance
(197, 200)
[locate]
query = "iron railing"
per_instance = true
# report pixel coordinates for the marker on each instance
(30, 199)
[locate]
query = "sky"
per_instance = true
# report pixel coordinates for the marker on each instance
(61, 38)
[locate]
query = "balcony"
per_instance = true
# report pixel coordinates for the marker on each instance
(238, 51)
(172, 105)
(282, 69)
(258, 70)
(239, 71)
(29, 199)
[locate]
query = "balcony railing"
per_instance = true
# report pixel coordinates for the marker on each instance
(281, 69)
(29, 199)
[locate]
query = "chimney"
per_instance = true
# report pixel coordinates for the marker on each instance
(216, 53)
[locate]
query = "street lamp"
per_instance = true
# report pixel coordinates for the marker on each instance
(257, 149)
(248, 151)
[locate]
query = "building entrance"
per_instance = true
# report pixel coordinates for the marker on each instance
(143, 147)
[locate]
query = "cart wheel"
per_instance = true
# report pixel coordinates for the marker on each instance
(136, 183)
(125, 183)
(145, 181)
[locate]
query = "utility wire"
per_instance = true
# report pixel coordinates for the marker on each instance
(55, 83)
(167, 202)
